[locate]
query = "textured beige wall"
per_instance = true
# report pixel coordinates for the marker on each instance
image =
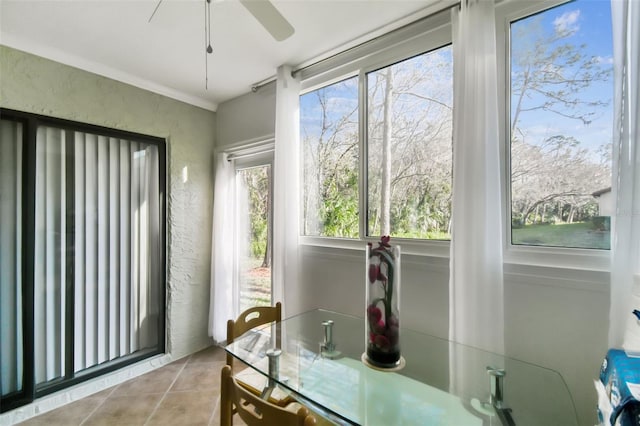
(34, 84)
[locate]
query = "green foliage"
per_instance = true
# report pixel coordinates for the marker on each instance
(339, 210)
(256, 182)
(258, 236)
(576, 235)
(430, 235)
(601, 223)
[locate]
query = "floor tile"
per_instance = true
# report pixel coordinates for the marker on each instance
(104, 393)
(184, 392)
(71, 414)
(124, 410)
(157, 381)
(199, 376)
(185, 408)
(211, 354)
(181, 361)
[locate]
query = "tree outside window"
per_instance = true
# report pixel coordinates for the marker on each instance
(561, 126)
(408, 144)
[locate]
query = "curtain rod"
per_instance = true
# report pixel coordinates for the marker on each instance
(250, 149)
(448, 4)
(231, 157)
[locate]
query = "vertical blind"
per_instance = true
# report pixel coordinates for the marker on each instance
(115, 247)
(98, 252)
(10, 240)
(50, 255)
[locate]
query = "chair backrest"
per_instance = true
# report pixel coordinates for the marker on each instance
(252, 409)
(249, 319)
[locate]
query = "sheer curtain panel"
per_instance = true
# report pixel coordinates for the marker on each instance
(224, 291)
(624, 328)
(476, 311)
(286, 193)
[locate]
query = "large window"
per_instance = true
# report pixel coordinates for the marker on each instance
(83, 252)
(376, 132)
(330, 150)
(402, 145)
(561, 126)
(409, 147)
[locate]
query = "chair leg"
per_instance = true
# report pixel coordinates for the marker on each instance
(225, 397)
(230, 339)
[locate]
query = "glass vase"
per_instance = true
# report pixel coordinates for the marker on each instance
(382, 315)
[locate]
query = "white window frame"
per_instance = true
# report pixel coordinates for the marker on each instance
(564, 257)
(431, 34)
(247, 157)
(437, 33)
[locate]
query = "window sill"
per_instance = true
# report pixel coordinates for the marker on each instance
(566, 258)
(418, 248)
(548, 257)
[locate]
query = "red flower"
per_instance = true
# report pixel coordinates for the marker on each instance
(378, 327)
(375, 314)
(382, 324)
(374, 271)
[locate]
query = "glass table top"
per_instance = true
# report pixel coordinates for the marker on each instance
(441, 382)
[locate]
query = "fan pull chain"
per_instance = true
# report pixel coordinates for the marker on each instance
(207, 41)
(209, 48)
(206, 57)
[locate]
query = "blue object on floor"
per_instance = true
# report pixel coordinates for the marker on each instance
(620, 374)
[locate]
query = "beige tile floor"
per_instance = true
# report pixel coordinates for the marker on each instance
(185, 392)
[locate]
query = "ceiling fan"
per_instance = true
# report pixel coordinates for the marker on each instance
(265, 13)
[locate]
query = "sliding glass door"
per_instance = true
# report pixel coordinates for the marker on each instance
(83, 268)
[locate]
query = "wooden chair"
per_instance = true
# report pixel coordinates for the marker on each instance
(250, 380)
(253, 410)
(251, 318)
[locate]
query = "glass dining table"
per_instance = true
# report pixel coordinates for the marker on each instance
(317, 359)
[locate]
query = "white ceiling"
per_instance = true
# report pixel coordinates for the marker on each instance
(114, 38)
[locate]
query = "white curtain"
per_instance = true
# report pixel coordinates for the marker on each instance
(286, 185)
(223, 285)
(476, 311)
(624, 329)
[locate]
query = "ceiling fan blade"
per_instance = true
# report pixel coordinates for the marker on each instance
(272, 20)
(154, 11)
